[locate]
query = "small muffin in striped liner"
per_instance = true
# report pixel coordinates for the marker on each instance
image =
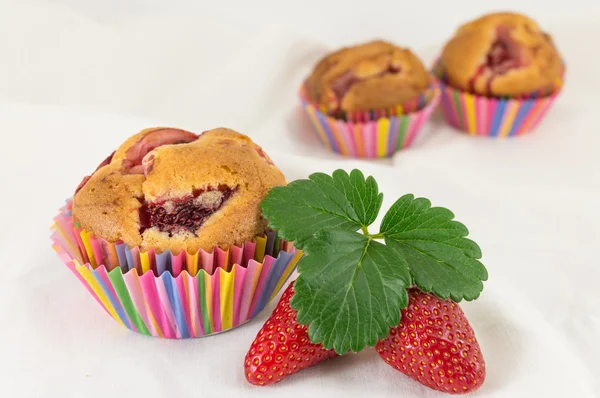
(369, 100)
(168, 237)
(499, 75)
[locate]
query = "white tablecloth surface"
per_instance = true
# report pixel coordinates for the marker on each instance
(78, 77)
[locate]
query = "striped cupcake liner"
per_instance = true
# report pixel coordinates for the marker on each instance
(378, 138)
(172, 295)
(494, 117)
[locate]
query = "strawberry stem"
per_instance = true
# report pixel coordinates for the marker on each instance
(365, 232)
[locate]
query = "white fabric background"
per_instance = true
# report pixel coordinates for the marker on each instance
(78, 77)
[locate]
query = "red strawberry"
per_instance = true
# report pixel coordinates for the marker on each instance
(435, 345)
(282, 347)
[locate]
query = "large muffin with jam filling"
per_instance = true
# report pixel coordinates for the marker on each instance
(170, 189)
(501, 55)
(372, 76)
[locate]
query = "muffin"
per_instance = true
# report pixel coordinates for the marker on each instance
(506, 58)
(373, 86)
(173, 190)
(375, 75)
(168, 237)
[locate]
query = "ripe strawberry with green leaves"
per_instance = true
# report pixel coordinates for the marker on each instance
(353, 283)
(282, 347)
(435, 345)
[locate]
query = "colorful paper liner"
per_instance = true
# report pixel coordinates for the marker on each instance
(494, 117)
(180, 295)
(372, 139)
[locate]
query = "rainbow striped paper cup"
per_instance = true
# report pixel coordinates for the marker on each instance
(494, 117)
(372, 134)
(170, 295)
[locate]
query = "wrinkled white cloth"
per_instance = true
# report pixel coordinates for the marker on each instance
(75, 81)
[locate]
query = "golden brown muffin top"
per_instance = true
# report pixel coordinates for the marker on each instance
(167, 188)
(370, 76)
(501, 54)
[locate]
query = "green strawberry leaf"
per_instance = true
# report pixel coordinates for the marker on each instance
(304, 207)
(440, 257)
(350, 290)
(363, 195)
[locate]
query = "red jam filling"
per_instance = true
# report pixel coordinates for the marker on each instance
(184, 214)
(134, 157)
(503, 55)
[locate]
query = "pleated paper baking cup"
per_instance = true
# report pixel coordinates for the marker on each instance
(495, 117)
(374, 134)
(175, 295)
